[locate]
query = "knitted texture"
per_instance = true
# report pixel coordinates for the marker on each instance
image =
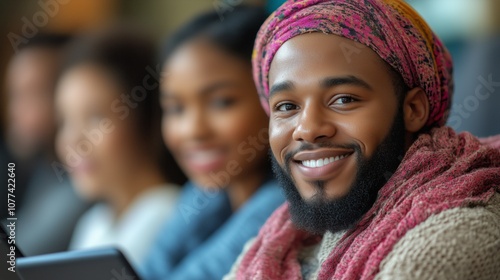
(440, 171)
(391, 28)
(460, 243)
(493, 141)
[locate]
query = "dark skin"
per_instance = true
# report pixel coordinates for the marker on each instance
(320, 97)
(116, 170)
(30, 84)
(212, 120)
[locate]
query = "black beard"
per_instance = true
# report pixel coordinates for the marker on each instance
(320, 214)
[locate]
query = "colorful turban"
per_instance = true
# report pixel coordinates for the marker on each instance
(391, 28)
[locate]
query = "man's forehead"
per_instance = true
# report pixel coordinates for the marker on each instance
(317, 56)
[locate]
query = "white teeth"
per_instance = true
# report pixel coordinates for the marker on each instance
(321, 162)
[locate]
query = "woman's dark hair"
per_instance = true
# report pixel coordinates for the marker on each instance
(234, 33)
(129, 57)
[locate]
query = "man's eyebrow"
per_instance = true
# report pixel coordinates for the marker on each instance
(281, 86)
(327, 82)
(344, 80)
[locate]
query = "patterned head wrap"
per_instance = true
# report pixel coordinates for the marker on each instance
(391, 28)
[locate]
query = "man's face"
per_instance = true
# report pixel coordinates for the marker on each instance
(336, 127)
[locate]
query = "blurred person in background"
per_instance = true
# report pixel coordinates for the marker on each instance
(218, 133)
(47, 206)
(109, 138)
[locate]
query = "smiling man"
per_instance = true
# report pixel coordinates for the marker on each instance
(358, 92)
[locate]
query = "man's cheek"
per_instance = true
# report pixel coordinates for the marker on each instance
(276, 149)
(278, 142)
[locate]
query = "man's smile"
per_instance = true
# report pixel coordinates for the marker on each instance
(320, 164)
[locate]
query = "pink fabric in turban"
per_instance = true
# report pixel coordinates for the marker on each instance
(391, 28)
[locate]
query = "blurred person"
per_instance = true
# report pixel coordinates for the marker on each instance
(218, 133)
(377, 187)
(5, 159)
(31, 75)
(109, 138)
(44, 200)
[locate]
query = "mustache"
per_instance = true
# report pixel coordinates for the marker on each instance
(310, 147)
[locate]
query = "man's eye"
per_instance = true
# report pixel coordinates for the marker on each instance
(286, 107)
(344, 100)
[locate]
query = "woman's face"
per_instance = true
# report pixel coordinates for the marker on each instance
(95, 139)
(212, 119)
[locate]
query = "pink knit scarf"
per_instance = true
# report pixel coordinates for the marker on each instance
(440, 171)
(493, 141)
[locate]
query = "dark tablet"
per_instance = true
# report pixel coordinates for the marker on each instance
(96, 264)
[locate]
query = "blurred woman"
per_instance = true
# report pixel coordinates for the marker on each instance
(110, 139)
(217, 131)
(41, 191)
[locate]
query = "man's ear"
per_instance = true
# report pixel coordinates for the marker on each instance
(415, 110)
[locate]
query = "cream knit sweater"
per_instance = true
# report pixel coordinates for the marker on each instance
(460, 243)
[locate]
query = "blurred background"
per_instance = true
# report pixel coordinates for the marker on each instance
(470, 29)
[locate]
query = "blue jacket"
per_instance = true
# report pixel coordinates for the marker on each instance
(204, 237)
